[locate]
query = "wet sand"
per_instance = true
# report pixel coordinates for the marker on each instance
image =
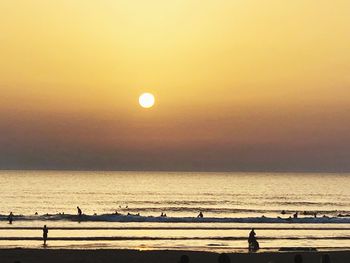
(166, 256)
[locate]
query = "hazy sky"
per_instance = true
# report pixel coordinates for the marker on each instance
(240, 85)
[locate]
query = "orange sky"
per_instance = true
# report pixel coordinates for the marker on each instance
(240, 85)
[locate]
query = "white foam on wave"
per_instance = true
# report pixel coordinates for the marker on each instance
(134, 218)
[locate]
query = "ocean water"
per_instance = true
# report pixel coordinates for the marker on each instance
(231, 203)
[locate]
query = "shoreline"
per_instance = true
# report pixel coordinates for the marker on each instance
(125, 255)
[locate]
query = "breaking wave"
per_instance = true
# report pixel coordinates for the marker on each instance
(136, 218)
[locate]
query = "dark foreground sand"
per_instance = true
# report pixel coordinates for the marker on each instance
(121, 256)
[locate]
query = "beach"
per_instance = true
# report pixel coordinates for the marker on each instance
(149, 131)
(130, 256)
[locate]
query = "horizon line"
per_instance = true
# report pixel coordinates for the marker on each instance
(179, 171)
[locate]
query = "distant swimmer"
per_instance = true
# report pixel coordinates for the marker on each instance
(341, 215)
(129, 214)
(200, 215)
(253, 244)
(45, 232)
(79, 211)
(10, 218)
(295, 215)
(283, 212)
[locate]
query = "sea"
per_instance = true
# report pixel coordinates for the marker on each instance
(123, 210)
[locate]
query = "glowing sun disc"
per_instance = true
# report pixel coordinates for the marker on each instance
(146, 100)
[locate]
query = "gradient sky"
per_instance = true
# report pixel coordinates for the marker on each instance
(241, 85)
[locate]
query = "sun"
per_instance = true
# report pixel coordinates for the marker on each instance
(146, 100)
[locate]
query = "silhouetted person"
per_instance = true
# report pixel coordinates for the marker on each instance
(184, 259)
(79, 211)
(298, 258)
(251, 235)
(295, 215)
(200, 215)
(45, 232)
(325, 259)
(10, 218)
(253, 244)
(224, 258)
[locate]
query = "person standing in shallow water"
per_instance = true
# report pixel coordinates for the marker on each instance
(251, 238)
(253, 244)
(79, 211)
(45, 232)
(10, 218)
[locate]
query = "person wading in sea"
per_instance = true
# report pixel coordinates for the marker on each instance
(45, 232)
(79, 211)
(10, 218)
(253, 244)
